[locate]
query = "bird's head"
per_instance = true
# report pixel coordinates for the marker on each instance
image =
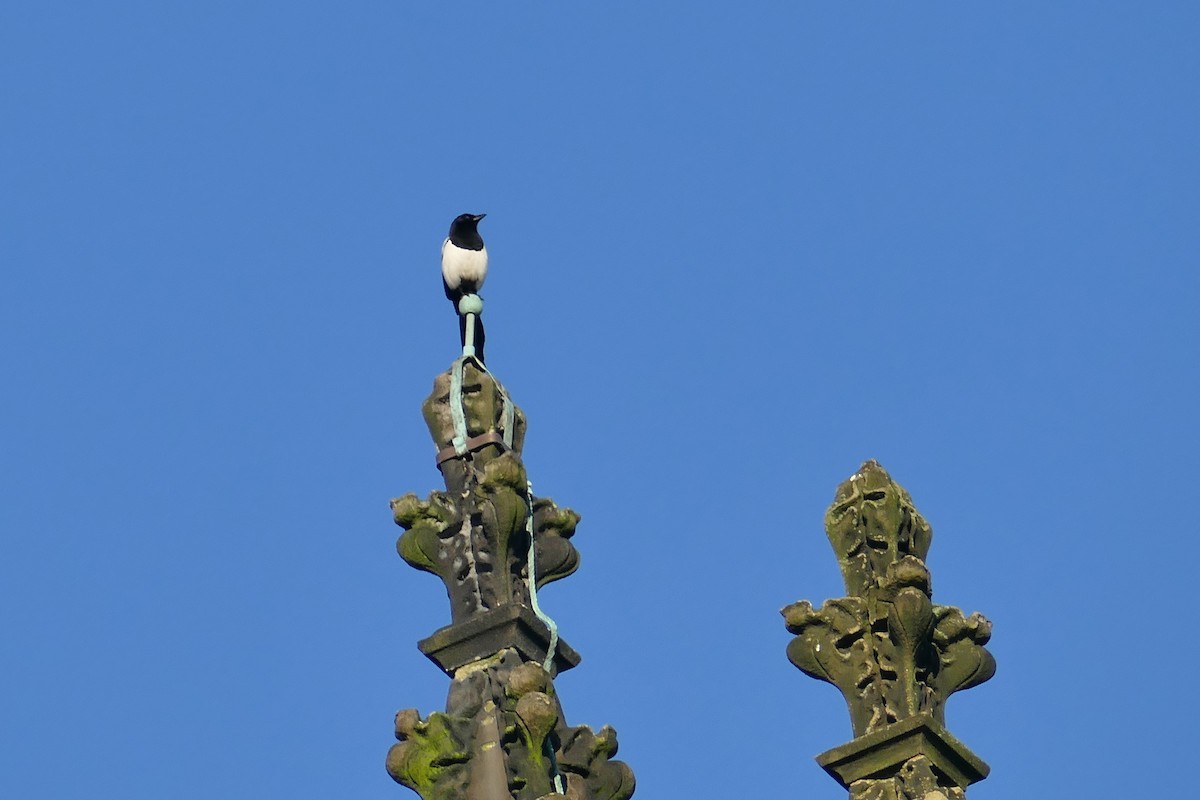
(465, 224)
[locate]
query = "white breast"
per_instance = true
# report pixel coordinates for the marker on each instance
(459, 266)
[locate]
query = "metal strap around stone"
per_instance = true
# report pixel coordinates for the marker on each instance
(457, 414)
(460, 445)
(472, 444)
(550, 624)
(509, 416)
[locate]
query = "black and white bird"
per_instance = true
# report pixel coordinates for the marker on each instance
(464, 268)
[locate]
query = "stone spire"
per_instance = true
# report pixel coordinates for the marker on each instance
(503, 735)
(895, 656)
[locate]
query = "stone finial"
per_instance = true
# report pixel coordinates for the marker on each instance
(503, 735)
(492, 424)
(895, 656)
(872, 526)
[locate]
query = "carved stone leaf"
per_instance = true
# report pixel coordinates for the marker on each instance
(824, 647)
(425, 522)
(556, 556)
(965, 662)
(502, 498)
(586, 760)
(410, 511)
(910, 621)
(430, 757)
(556, 559)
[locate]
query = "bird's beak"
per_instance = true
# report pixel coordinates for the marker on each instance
(479, 217)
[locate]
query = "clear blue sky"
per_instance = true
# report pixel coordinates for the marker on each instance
(736, 250)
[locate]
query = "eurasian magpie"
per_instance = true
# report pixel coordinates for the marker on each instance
(464, 268)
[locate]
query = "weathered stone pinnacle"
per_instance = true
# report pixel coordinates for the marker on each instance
(895, 656)
(503, 735)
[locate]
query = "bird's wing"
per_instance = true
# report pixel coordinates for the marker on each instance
(451, 294)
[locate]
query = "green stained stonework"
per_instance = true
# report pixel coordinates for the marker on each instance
(473, 535)
(498, 745)
(483, 401)
(503, 735)
(893, 653)
(477, 541)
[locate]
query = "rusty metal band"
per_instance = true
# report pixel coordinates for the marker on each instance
(472, 444)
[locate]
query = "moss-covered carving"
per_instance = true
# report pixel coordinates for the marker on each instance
(431, 754)
(489, 418)
(473, 536)
(477, 543)
(502, 736)
(894, 655)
